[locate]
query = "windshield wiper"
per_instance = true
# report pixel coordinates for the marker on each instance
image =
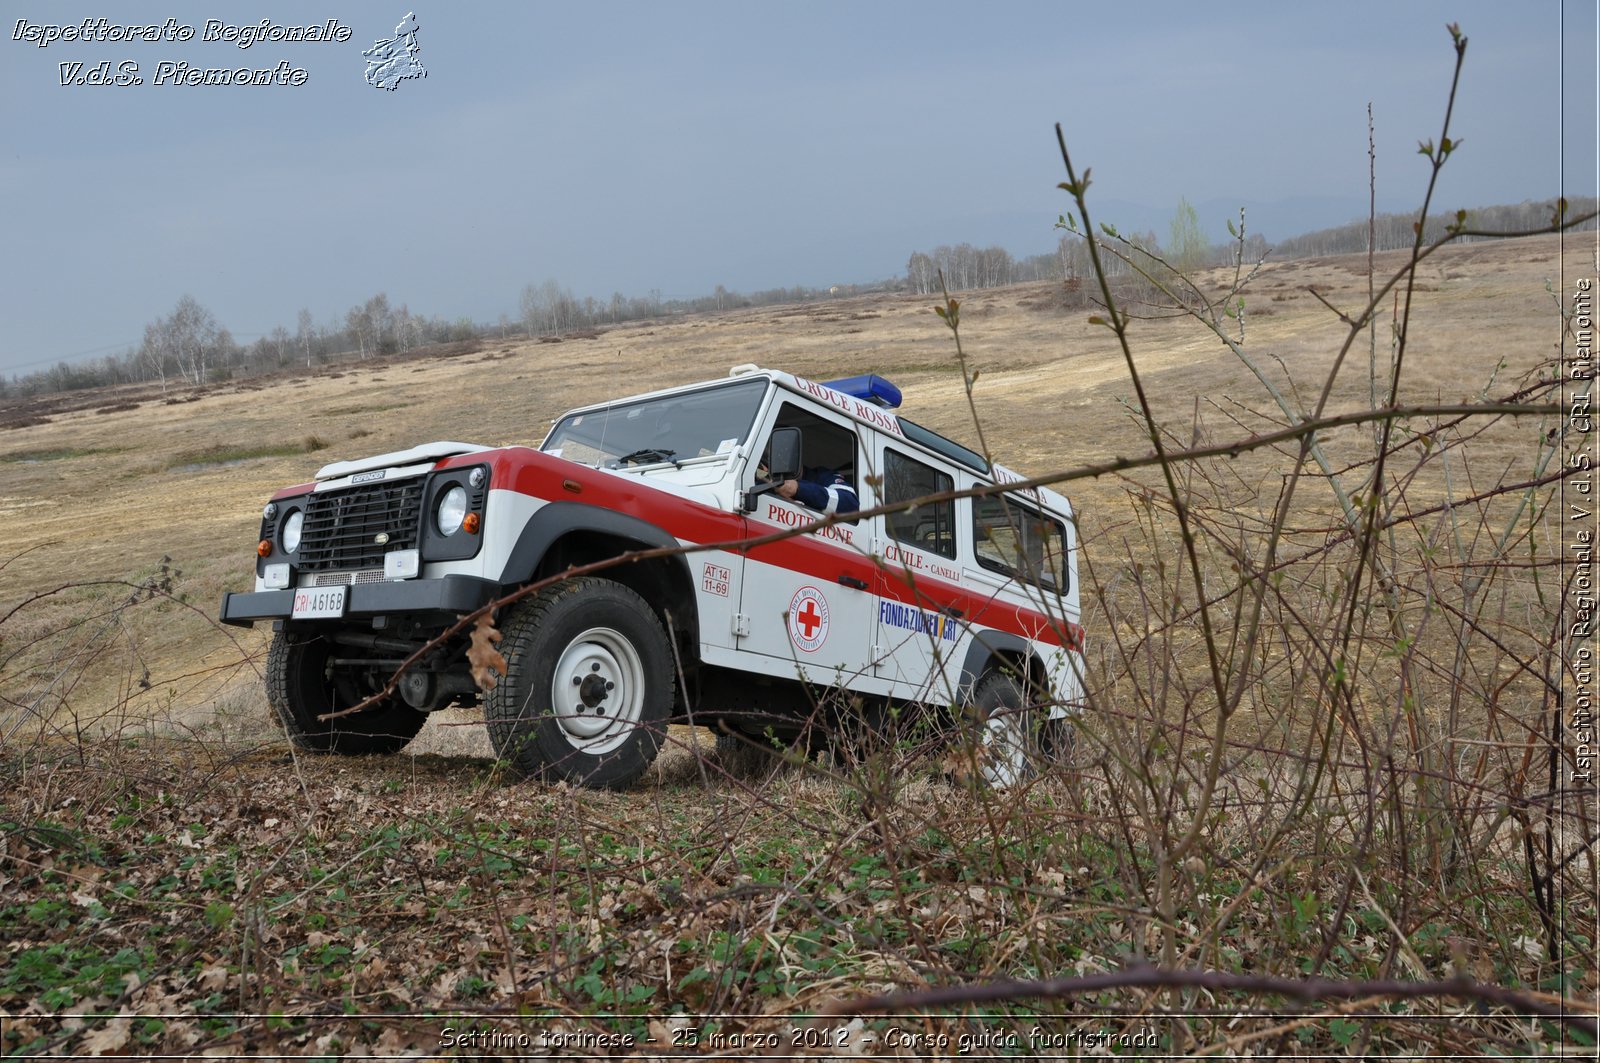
(649, 456)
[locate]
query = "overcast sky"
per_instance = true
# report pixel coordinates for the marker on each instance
(677, 146)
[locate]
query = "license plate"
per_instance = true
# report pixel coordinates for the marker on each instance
(313, 602)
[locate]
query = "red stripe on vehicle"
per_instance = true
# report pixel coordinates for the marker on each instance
(541, 476)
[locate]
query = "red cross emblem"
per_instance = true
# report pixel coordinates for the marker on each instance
(808, 619)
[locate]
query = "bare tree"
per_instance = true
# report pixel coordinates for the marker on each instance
(192, 335)
(222, 350)
(303, 334)
(359, 322)
(188, 338)
(406, 328)
(153, 353)
(280, 342)
(563, 308)
(1074, 255)
(382, 320)
(532, 309)
(1188, 248)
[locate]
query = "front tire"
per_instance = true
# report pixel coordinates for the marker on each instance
(588, 685)
(303, 683)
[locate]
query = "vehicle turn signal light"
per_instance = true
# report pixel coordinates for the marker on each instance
(471, 524)
(264, 547)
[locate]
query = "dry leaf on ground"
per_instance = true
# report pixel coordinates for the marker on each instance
(487, 663)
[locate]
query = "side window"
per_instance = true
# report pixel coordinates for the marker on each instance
(930, 527)
(1015, 540)
(828, 449)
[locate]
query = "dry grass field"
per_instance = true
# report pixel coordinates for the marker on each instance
(1371, 827)
(118, 479)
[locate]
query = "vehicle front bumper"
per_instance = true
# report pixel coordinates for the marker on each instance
(453, 594)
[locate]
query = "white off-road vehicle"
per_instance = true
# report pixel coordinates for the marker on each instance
(964, 603)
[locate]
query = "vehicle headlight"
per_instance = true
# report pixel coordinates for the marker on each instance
(289, 537)
(452, 510)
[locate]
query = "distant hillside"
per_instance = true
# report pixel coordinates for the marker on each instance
(1392, 232)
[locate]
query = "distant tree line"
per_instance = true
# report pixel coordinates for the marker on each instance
(188, 346)
(965, 267)
(549, 309)
(1392, 232)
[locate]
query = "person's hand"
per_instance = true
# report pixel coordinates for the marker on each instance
(788, 489)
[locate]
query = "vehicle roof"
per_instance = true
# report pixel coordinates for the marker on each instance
(862, 412)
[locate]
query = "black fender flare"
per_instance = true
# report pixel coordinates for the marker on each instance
(986, 645)
(556, 519)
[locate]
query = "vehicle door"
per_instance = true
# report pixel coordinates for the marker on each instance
(807, 600)
(919, 630)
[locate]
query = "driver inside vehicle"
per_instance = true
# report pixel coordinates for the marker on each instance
(826, 490)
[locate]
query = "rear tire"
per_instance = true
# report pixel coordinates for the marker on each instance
(588, 685)
(869, 728)
(1058, 741)
(303, 684)
(1008, 744)
(749, 757)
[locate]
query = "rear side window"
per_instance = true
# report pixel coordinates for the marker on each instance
(1014, 540)
(931, 526)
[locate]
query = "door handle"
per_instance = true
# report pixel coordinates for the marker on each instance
(851, 581)
(952, 612)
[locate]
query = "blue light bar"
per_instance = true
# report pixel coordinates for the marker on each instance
(873, 389)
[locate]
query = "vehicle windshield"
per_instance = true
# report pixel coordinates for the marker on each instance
(673, 428)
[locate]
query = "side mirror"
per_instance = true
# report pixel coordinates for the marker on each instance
(783, 461)
(783, 454)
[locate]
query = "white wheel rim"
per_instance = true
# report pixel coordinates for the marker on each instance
(1005, 747)
(597, 692)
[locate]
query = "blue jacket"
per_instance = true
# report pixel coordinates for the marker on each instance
(827, 491)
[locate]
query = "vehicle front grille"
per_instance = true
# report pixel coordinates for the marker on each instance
(342, 528)
(348, 579)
